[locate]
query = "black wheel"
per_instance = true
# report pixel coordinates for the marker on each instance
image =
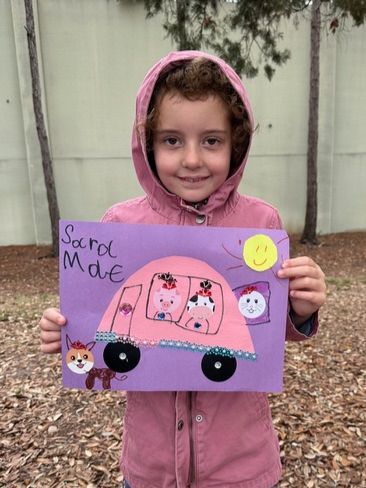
(217, 367)
(121, 357)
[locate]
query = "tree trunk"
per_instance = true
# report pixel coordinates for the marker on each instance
(309, 232)
(181, 22)
(41, 129)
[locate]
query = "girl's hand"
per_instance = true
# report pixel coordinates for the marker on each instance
(50, 324)
(307, 286)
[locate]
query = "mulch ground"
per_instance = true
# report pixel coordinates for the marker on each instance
(52, 437)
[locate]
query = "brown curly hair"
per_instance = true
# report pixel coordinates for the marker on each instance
(196, 79)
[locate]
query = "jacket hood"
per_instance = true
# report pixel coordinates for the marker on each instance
(157, 195)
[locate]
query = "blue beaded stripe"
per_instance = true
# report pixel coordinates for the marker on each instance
(105, 337)
(188, 346)
(113, 337)
(209, 350)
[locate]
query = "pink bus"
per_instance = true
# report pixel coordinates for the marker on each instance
(179, 303)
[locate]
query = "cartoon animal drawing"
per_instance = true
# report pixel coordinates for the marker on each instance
(201, 307)
(167, 297)
(252, 304)
(80, 360)
(79, 357)
(105, 375)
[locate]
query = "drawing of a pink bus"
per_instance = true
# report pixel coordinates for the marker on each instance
(181, 303)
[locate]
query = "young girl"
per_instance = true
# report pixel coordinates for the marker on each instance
(190, 143)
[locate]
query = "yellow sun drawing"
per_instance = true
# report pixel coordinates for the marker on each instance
(260, 252)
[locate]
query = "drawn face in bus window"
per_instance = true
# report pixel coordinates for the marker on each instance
(167, 297)
(166, 300)
(200, 307)
(252, 304)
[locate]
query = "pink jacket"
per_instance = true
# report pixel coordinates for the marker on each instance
(196, 439)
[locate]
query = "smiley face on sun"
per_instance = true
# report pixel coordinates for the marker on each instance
(260, 252)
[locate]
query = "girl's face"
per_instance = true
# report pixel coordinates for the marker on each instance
(192, 145)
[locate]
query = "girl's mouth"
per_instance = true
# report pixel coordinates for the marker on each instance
(191, 179)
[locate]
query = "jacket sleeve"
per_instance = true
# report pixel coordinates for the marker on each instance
(308, 328)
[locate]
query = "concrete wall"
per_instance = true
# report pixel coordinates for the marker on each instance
(94, 54)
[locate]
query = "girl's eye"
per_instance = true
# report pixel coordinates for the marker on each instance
(171, 141)
(212, 141)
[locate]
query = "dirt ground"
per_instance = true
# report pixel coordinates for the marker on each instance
(53, 437)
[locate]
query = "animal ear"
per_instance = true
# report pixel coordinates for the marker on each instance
(68, 342)
(90, 345)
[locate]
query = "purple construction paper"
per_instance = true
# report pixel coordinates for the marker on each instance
(98, 260)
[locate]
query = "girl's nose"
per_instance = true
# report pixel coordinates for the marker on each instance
(192, 157)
